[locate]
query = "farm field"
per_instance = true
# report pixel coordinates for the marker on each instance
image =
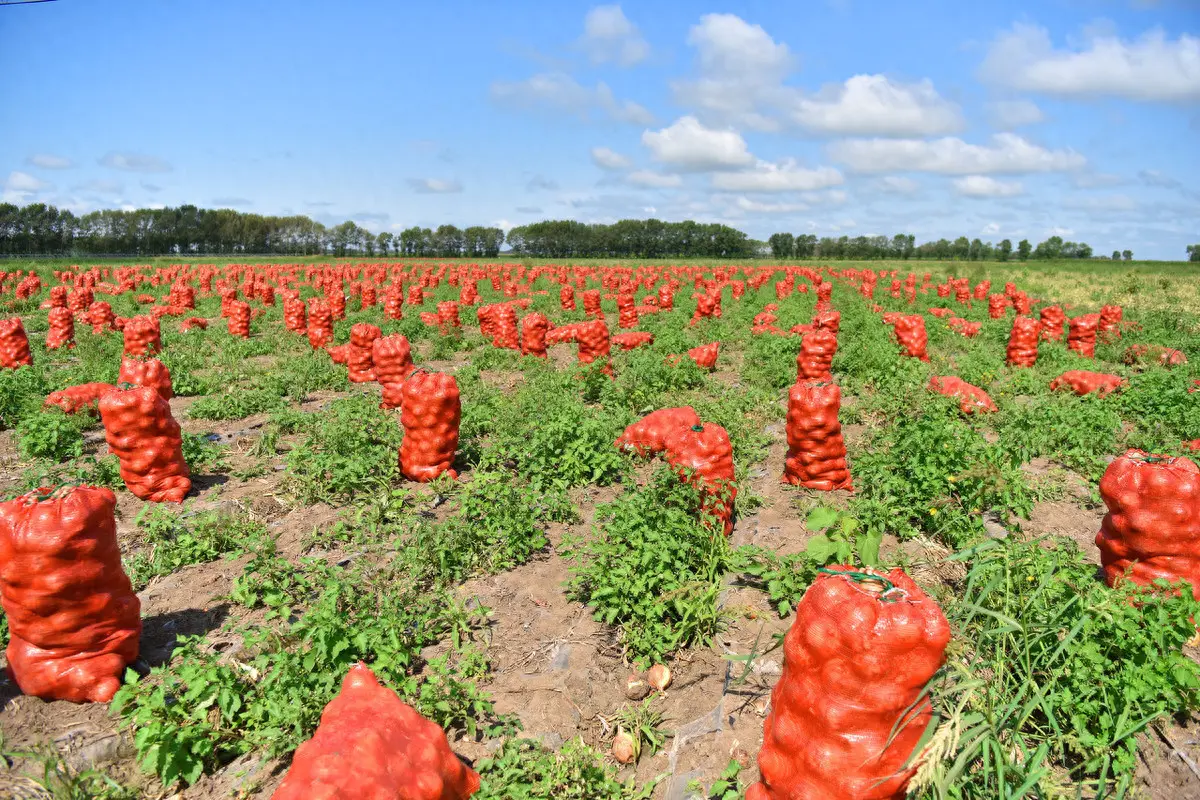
(509, 603)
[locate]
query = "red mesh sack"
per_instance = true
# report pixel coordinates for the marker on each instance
(61, 332)
(649, 434)
(703, 455)
(239, 318)
(591, 304)
(566, 298)
(706, 306)
(100, 316)
(448, 314)
(393, 304)
(147, 372)
(1152, 528)
(14, 344)
(1165, 356)
(828, 320)
(1052, 320)
(504, 324)
(824, 296)
(593, 339)
(83, 397)
(294, 316)
(964, 327)
(359, 362)
(416, 297)
(430, 412)
(632, 340)
(849, 708)
(371, 746)
(971, 399)
(58, 298)
(666, 298)
(337, 302)
(392, 358)
(705, 355)
(1081, 334)
(367, 298)
(1023, 342)
(816, 457)
(911, 334)
(80, 299)
(192, 323)
(533, 334)
(320, 323)
(145, 438)
(815, 358)
(1082, 382)
(997, 305)
(1109, 324)
(143, 337)
(339, 354)
(74, 621)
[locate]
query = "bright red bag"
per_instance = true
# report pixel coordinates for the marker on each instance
(591, 304)
(1152, 528)
(649, 435)
(533, 334)
(666, 298)
(61, 332)
(910, 333)
(1052, 320)
(83, 397)
(815, 359)
(827, 320)
(359, 363)
(971, 398)
(392, 358)
(1082, 382)
(997, 305)
(631, 340)
(295, 318)
(14, 344)
(504, 326)
(100, 316)
(146, 439)
(702, 454)
(816, 457)
(850, 707)
(1023, 342)
(705, 355)
(1109, 324)
(320, 323)
(143, 337)
(430, 413)
(566, 298)
(147, 372)
(239, 319)
(74, 621)
(370, 745)
(448, 314)
(1081, 334)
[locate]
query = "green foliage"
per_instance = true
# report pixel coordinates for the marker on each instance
(1159, 403)
(235, 403)
(653, 567)
(933, 473)
(22, 391)
(523, 769)
(1056, 676)
(52, 435)
(201, 454)
(726, 787)
(351, 448)
(58, 780)
(172, 539)
(643, 722)
(1079, 432)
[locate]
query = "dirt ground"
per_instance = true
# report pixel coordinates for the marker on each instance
(557, 669)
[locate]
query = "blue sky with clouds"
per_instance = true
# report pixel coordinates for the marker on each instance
(991, 119)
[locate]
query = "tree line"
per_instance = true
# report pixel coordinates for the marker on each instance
(903, 246)
(41, 229)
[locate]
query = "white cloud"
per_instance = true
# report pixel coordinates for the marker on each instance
(785, 176)
(604, 158)
(1151, 68)
(740, 67)
(1152, 177)
(134, 162)
(991, 229)
(1006, 153)
(897, 184)
(872, 105)
(608, 35)
(653, 180)
(1056, 231)
(24, 182)
(983, 186)
(757, 207)
(47, 161)
(434, 186)
(1009, 114)
(688, 145)
(560, 92)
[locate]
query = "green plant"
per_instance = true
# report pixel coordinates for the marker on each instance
(58, 780)
(203, 455)
(653, 567)
(172, 540)
(52, 435)
(642, 721)
(1054, 676)
(523, 769)
(726, 787)
(351, 448)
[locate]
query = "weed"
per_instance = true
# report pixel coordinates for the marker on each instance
(523, 769)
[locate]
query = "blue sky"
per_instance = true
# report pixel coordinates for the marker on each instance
(992, 119)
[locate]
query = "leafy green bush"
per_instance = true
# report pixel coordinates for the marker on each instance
(1055, 677)
(235, 403)
(351, 448)
(52, 435)
(652, 567)
(524, 769)
(171, 540)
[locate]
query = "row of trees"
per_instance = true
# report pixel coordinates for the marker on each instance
(631, 238)
(903, 246)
